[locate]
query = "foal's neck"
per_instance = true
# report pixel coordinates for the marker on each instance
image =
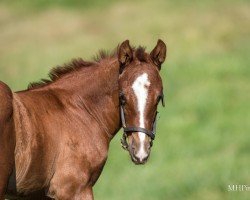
(97, 89)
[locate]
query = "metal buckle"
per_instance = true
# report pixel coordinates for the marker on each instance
(124, 142)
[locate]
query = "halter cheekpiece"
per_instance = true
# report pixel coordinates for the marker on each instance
(126, 129)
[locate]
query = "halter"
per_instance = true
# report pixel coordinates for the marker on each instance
(150, 133)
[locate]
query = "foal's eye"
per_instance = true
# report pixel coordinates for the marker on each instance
(159, 98)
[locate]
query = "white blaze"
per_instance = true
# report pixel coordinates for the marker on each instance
(140, 87)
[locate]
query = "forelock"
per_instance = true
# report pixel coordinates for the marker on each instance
(140, 54)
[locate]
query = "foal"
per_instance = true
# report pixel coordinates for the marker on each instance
(55, 135)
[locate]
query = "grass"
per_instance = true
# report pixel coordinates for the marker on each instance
(203, 141)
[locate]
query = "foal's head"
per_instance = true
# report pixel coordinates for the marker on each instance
(141, 90)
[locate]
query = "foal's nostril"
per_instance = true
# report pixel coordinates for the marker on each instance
(144, 159)
(140, 160)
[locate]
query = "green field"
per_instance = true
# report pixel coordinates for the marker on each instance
(203, 141)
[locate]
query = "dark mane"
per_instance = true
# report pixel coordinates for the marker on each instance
(140, 54)
(102, 54)
(59, 71)
(79, 63)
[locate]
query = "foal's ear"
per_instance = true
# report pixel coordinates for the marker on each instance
(125, 53)
(158, 54)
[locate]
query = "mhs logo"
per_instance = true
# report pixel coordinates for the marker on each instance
(238, 188)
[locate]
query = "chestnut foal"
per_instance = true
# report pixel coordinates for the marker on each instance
(54, 136)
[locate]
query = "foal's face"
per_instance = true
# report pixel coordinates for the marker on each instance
(142, 88)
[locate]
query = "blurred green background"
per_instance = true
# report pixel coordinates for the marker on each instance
(203, 141)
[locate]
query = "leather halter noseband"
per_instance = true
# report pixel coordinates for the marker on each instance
(150, 133)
